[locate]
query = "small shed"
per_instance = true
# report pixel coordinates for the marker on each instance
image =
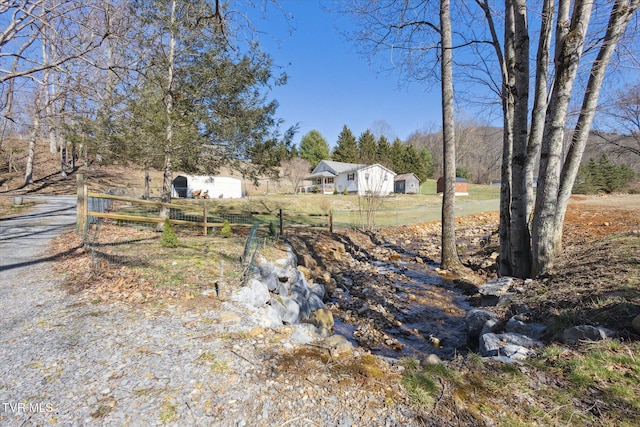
(406, 183)
(206, 186)
(462, 186)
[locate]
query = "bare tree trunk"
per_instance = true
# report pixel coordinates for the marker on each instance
(167, 170)
(519, 239)
(28, 173)
(569, 52)
(450, 259)
(540, 100)
(618, 21)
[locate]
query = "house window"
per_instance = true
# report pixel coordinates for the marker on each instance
(386, 177)
(329, 180)
(351, 177)
(366, 176)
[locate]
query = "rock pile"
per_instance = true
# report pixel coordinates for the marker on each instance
(280, 294)
(516, 339)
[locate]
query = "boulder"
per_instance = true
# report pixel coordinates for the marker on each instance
(491, 291)
(252, 296)
(287, 308)
(508, 344)
(267, 317)
(575, 334)
(531, 330)
(476, 320)
(306, 333)
(321, 318)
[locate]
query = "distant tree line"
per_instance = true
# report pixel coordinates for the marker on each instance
(367, 149)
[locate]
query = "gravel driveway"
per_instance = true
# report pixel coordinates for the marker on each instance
(66, 361)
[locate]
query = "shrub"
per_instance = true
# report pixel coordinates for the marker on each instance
(345, 192)
(272, 229)
(226, 231)
(169, 238)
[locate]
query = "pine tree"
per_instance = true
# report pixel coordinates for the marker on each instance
(314, 147)
(384, 152)
(367, 148)
(397, 156)
(346, 149)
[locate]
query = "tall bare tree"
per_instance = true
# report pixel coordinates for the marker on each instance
(543, 132)
(419, 35)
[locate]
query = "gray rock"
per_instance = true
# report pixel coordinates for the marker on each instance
(252, 296)
(531, 330)
(267, 317)
(491, 291)
(305, 333)
(287, 309)
(315, 302)
(491, 325)
(575, 334)
(319, 290)
(500, 344)
(476, 320)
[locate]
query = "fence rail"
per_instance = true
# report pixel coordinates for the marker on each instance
(92, 206)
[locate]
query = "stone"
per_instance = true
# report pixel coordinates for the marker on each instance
(252, 296)
(491, 325)
(576, 334)
(306, 272)
(531, 330)
(476, 320)
(318, 290)
(267, 317)
(491, 291)
(315, 302)
(322, 318)
(287, 308)
(305, 333)
(431, 359)
(635, 323)
(507, 344)
(136, 298)
(338, 346)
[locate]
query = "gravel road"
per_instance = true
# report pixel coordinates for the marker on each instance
(66, 361)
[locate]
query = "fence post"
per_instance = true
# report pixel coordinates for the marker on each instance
(331, 221)
(81, 217)
(281, 224)
(204, 218)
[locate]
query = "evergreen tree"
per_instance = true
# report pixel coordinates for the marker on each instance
(397, 156)
(384, 152)
(346, 149)
(427, 164)
(602, 175)
(367, 148)
(314, 147)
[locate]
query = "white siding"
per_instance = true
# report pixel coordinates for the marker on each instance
(376, 180)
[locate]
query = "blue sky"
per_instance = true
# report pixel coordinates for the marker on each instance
(330, 85)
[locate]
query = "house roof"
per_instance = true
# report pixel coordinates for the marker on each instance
(338, 167)
(405, 176)
(322, 174)
(329, 168)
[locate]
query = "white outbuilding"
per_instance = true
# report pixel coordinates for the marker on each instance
(206, 186)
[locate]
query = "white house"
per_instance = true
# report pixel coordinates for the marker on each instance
(212, 187)
(330, 176)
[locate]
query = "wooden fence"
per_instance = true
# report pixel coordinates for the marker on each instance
(146, 211)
